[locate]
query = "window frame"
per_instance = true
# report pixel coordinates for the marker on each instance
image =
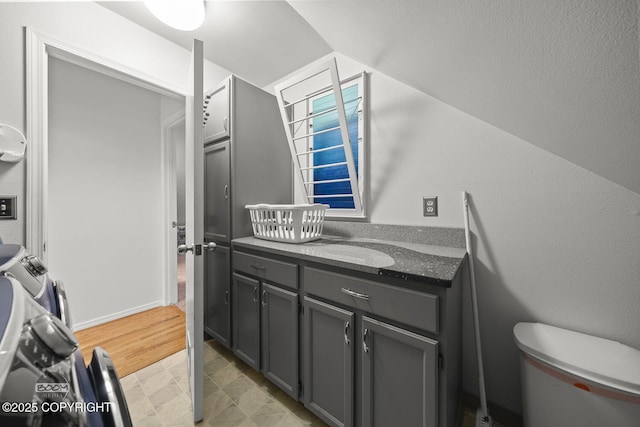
(359, 80)
(292, 97)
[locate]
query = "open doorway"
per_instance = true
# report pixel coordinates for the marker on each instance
(105, 192)
(122, 270)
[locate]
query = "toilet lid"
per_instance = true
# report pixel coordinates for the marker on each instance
(595, 359)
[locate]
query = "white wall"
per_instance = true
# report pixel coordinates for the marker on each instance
(554, 242)
(90, 27)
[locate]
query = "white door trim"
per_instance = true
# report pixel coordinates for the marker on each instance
(169, 168)
(38, 49)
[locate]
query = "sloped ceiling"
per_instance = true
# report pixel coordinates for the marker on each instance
(259, 41)
(560, 74)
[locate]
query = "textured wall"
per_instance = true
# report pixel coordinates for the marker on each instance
(562, 75)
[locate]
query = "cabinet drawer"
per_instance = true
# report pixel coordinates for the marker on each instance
(402, 305)
(282, 273)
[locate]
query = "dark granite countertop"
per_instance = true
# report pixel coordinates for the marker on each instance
(419, 262)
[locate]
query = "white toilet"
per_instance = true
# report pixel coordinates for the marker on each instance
(571, 379)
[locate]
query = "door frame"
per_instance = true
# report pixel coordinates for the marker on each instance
(39, 47)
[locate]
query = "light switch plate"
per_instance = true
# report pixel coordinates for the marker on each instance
(8, 207)
(430, 206)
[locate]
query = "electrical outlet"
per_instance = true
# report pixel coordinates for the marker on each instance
(430, 206)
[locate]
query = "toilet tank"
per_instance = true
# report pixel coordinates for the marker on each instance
(572, 379)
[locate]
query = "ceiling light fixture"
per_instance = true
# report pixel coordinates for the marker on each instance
(185, 15)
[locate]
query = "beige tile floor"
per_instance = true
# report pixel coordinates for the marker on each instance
(234, 395)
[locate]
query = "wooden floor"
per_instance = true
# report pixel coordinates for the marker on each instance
(136, 341)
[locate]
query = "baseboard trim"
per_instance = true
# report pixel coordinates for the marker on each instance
(115, 316)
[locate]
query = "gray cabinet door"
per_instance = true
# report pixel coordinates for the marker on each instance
(280, 337)
(217, 293)
(245, 296)
(217, 216)
(328, 362)
(399, 378)
(217, 103)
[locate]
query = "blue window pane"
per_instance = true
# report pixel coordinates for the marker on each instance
(330, 139)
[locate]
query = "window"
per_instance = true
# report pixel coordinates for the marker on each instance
(328, 151)
(331, 185)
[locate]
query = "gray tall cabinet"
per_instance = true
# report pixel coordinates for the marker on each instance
(247, 161)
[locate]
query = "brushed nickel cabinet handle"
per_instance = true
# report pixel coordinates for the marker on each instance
(346, 333)
(364, 340)
(355, 294)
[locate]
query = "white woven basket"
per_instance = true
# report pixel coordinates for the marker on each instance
(287, 223)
